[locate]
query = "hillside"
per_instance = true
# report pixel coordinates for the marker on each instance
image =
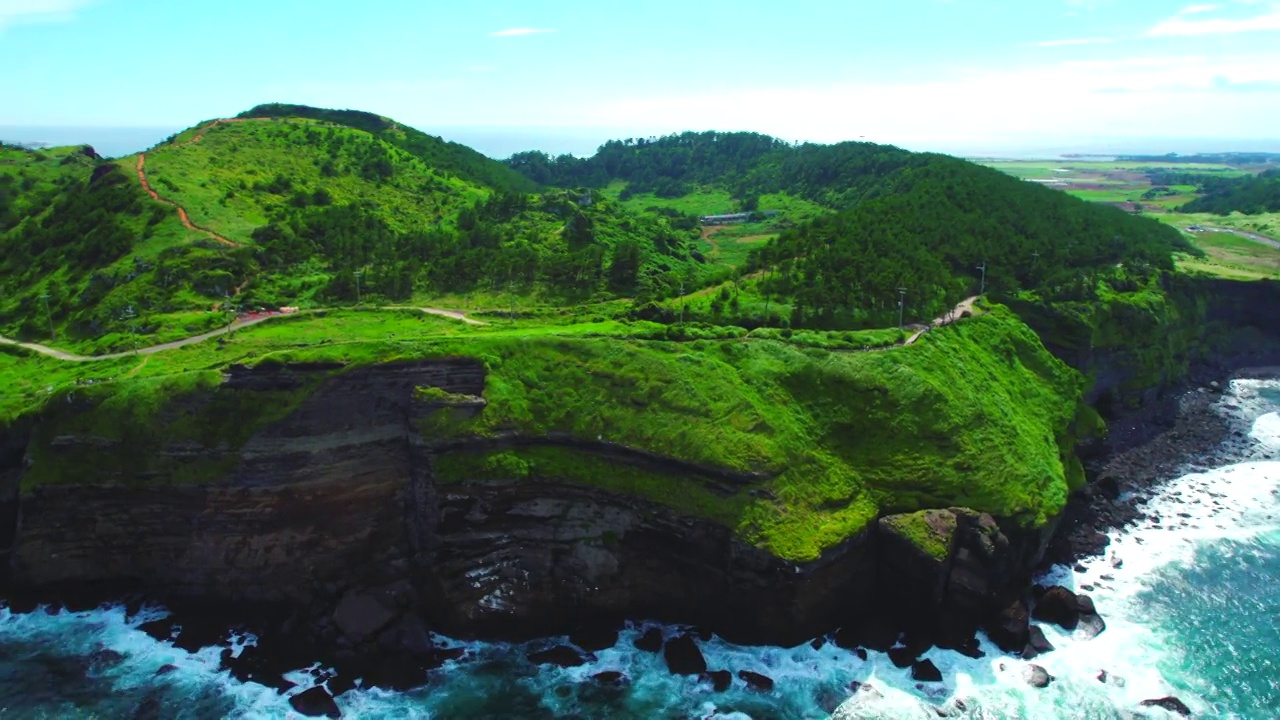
(448, 157)
(289, 211)
(1250, 195)
(923, 228)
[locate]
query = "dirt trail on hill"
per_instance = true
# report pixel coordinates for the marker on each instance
(952, 315)
(182, 212)
(242, 321)
(62, 355)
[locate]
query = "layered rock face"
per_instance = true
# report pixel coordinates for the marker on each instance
(334, 513)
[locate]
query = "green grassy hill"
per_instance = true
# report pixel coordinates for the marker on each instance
(309, 211)
(449, 157)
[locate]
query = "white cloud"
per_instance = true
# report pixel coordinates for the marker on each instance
(1073, 41)
(1180, 26)
(1142, 96)
(1196, 9)
(18, 12)
(515, 32)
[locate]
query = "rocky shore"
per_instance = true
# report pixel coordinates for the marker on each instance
(1185, 430)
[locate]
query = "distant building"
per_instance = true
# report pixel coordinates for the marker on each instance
(725, 219)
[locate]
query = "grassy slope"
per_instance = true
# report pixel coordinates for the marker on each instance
(213, 178)
(843, 436)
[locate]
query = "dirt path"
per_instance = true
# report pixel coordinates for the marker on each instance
(241, 322)
(954, 314)
(182, 212)
(71, 357)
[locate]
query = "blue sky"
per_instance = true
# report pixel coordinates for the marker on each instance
(921, 73)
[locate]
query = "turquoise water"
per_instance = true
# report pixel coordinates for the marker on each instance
(1192, 611)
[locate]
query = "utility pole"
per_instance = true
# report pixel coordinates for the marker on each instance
(902, 304)
(1035, 258)
(358, 273)
(44, 297)
(681, 302)
(983, 268)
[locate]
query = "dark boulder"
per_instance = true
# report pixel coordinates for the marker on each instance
(756, 681)
(160, 630)
(650, 641)
(1172, 704)
(560, 656)
(610, 678)
(1085, 605)
(104, 658)
(720, 679)
(1008, 629)
(316, 702)
(1037, 676)
(926, 671)
(408, 636)
(593, 638)
(1058, 606)
(903, 657)
(1091, 626)
(683, 656)
(361, 614)
(1037, 643)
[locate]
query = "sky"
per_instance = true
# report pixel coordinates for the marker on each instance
(563, 75)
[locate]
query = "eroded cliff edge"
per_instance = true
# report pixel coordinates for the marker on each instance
(368, 502)
(457, 489)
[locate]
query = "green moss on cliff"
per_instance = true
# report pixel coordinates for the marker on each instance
(978, 414)
(928, 530)
(685, 493)
(182, 428)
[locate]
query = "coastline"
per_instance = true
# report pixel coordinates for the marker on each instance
(1146, 449)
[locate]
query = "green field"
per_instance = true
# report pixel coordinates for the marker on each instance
(1233, 257)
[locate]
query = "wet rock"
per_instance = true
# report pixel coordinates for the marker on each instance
(159, 630)
(316, 702)
(409, 635)
(683, 656)
(255, 665)
(1037, 643)
(926, 671)
(756, 681)
(1008, 630)
(165, 670)
(560, 656)
(197, 633)
(611, 678)
(1058, 606)
(394, 674)
(650, 641)
(818, 643)
(1085, 604)
(720, 680)
(903, 657)
(1037, 676)
(861, 653)
(104, 658)
(360, 615)
(1172, 704)
(593, 638)
(1091, 626)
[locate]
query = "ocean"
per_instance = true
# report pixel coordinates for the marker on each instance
(1189, 602)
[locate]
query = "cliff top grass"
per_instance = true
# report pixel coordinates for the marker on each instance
(977, 414)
